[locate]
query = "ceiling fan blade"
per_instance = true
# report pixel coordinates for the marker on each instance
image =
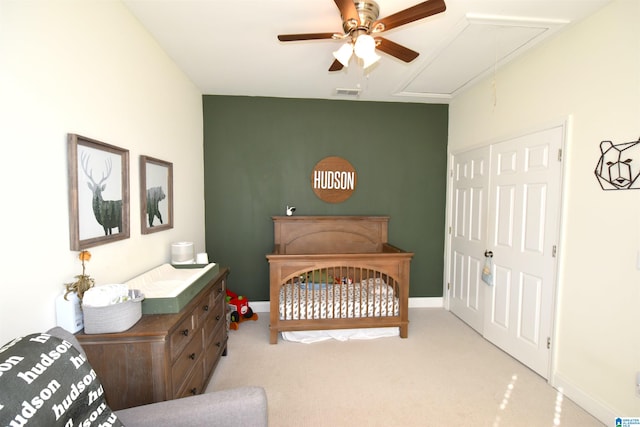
(414, 13)
(394, 49)
(348, 10)
(309, 36)
(336, 66)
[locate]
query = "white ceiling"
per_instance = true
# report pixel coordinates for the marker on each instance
(229, 47)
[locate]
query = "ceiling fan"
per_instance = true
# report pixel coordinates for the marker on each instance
(361, 28)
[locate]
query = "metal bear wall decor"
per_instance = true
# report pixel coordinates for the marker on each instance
(619, 166)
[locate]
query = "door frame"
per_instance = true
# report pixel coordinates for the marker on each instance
(566, 125)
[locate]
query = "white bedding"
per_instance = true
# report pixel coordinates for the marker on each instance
(308, 337)
(368, 298)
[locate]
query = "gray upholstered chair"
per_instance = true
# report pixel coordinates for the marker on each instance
(245, 406)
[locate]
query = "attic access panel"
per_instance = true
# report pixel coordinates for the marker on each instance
(484, 43)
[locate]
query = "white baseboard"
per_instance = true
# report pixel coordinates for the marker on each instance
(426, 302)
(418, 302)
(596, 408)
(259, 306)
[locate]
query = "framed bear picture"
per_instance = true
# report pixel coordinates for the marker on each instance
(156, 195)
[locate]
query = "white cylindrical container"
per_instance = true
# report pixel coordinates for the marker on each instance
(182, 253)
(202, 258)
(69, 312)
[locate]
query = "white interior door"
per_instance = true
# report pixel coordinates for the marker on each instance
(525, 191)
(468, 233)
(506, 198)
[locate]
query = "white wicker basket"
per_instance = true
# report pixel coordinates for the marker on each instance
(113, 318)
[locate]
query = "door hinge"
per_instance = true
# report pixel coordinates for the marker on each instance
(548, 343)
(560, 154)
(554, 251)
(449, 229)
(448, 286)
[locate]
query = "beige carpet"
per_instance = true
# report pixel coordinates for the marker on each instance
(444, 374)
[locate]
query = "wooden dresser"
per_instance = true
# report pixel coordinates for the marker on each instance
(163, 356)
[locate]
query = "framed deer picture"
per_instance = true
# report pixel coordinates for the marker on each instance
(98, 192)
(156, 195)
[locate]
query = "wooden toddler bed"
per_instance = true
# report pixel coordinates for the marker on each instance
(336, 272)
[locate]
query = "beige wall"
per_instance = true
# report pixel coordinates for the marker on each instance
(590, 76)
(84, 67)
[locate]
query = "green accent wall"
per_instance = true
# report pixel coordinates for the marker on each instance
(258, 158)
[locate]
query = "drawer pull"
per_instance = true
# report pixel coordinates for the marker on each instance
(206, 307)
(192, 356)
(218, 317)
(194, 391)
(218, 344)
(185, 332)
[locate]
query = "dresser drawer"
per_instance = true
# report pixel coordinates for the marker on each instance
(190, 357)
(212, 303)
(210, 306)
(214, 321)
(205, 309)
(182, 335)
(216, 346)
(219, 290)
(195, 383)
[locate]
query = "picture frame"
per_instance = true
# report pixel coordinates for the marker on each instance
(98, 192)
(156, 195)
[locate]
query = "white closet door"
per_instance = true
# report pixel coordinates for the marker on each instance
(525, 201)
(468, 235)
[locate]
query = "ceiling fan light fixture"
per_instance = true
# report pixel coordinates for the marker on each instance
(343, 55)
(365, 49)
(370, 60)
(359, 21)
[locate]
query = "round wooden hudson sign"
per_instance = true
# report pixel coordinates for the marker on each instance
(333, 179)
